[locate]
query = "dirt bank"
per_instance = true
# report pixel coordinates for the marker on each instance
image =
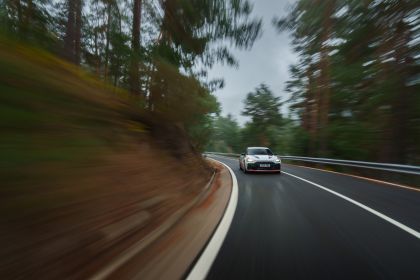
(85, 173)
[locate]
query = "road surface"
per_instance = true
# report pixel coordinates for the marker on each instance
(287, 228)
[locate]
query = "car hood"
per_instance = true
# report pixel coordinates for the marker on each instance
(263, 157)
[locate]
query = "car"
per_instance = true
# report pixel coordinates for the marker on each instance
(259, 159)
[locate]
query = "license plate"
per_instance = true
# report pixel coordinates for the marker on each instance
(264, 165)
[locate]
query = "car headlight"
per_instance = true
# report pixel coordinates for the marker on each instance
(249, 160)
(278, 160)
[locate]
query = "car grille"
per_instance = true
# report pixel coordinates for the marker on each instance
(257, 166)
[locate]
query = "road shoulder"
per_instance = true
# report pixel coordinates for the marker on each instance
(172, 255)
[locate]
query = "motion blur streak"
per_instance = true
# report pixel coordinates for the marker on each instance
(83, 176)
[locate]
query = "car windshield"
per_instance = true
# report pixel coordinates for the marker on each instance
(253, 152)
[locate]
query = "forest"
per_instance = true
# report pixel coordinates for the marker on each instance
(158, 51)
(354, 93)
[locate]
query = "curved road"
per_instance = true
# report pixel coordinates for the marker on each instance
(287, 228)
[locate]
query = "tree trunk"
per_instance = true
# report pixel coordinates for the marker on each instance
(135, 45)
(311, 109)
(70, 36)
(108, 27)
(28, 18)
(395, 134)
(19, 15)
(97, 57)
(325, 95)
(78, 32)
(117, 58)
(400, 106)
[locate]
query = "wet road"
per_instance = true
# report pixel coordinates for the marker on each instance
(288, 228)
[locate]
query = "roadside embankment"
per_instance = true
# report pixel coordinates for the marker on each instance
(174, 253)
(85, 174)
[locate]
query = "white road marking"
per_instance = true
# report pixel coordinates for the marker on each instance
(204, 263)
(359, 177)
(374, 212)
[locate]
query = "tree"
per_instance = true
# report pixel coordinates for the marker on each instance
(264, 110)
(72, 37)
(352, 89)
(192, 31)
(313, 36)
(226, 135)
(28, 21)
(151, 48)
(78, 32)
(135, 46)
(262, 107)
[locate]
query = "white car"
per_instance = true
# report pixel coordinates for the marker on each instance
(259, 159)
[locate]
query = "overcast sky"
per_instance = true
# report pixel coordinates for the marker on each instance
(267, 62)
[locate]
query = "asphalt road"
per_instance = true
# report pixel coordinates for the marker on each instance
(285, 228)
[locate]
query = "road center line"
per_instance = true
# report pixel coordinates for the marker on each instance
(374, 212)
(204, 263)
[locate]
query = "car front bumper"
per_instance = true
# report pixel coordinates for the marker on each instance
(256, 166)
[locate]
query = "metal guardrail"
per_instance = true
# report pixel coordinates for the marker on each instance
(390, 167)
(223, 154)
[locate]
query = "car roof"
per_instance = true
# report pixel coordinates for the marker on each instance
(257, 148)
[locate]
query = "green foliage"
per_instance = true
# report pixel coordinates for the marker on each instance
(200, 131)
(266, 128)
(201, 29)
(226, 135)
(49, 118)
(192, 31)
(299, 141)
(29, 21)
(352, 140)
(353, 89)
(262, 107)
(158, 61)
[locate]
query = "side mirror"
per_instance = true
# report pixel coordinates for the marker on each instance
(243, 154)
